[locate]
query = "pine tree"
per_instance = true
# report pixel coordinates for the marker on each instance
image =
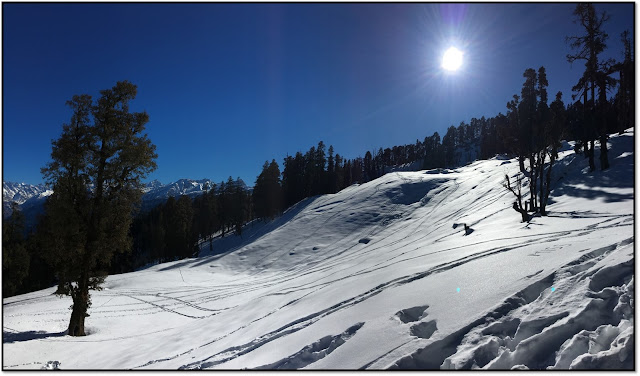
(319, 178)
(238, 201)
(338, 183)
(267, 192)
(223, 207)
(449, 147)
(15, 258)
(180, 234)
(588, 47)
(603, 115)
(510, 133)
(260, 193)
(202, 213)
(331, 172)
(553, 135)
(625, 98)
(95, 172)
(274, 192)
(527, 116)
(368, 166)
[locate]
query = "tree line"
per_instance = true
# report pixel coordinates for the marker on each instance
(175, 229)
(534, 128)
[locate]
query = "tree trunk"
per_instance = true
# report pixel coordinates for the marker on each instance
(533, 171)
(604, 153)
(79, 312)
(592, 164)
(518, 207)
(541, 191)
(521, 161)
(547, 190)
(76, 324)
(586, 148)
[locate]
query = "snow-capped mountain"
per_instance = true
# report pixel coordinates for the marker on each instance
(155, 190)
(20, 193)
(31, 198)
(414, 270)
(156, 193)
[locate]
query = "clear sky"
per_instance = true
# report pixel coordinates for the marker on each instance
(228, 86)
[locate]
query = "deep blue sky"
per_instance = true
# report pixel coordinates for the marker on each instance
(228, 86)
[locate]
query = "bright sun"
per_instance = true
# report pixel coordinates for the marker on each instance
(452, 59)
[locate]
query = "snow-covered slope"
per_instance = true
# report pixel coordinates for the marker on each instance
(381, 275)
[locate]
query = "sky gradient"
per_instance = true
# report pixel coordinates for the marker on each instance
(228, 86)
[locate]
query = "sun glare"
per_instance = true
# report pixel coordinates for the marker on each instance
(452, 59)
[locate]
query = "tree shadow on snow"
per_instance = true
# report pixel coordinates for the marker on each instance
(177, 265)
(619, 175)
(582, 214)
(11, 337)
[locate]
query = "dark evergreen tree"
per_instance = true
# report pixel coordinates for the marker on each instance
(274, 191)
(625, 97)
(319, 171)
(15, 257)
(239, 202)
(157, 236)
(588, 47)
(357, 171)
(339, 182)
(368, 166)
(604, 112)
(510, 132)
(180, 226)
(223, 207)
(553, 134)
(267, 192)
(41, 274)
(449, 147)
(433, 153)
(95, 173)
(293, 179)
(331, 172)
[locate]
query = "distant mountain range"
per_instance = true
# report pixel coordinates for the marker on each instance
(31, 198)
(26, 195)
(156, 193)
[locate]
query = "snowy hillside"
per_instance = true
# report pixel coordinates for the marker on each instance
(381, 275)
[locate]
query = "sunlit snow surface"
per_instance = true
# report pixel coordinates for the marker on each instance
(369, 278)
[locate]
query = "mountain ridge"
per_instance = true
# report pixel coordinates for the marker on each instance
(31, 198)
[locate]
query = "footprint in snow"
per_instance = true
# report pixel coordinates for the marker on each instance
(412, 314)
(424, 329)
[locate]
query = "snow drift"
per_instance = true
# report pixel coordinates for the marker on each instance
(380, 275)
